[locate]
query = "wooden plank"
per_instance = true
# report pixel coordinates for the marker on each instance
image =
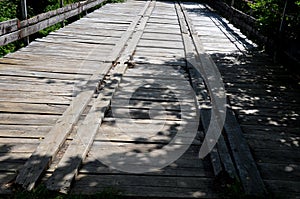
(81, 143)
(36, 99)
(125, 37)
(38, 74)
(31, 172)
(214, 155)
(136, 113)
(262, 140)
(18, 148)
(18, 58)
(149, 186)
(26, 131)
(167, 130)
(6, 180)
(27, 119)
(96, 167)
(246, 167)
(280, 171)
(8, 26)
(159, 60)
(147, 104)
(36, 88)
(178, 52)
(174, 72)
(252, 183)
(278, 156)
(214, 85)
(189, 52)
(155, 94)
(155, 83)
(284, 188)
(62, 178)
(158, 44)
(221, 150)
(37, 80)
(11, 107)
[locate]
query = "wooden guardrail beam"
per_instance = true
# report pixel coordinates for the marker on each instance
(15, 29)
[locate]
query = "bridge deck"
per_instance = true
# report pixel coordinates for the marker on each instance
(76, 104)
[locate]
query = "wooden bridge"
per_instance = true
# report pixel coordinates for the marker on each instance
(122, 99)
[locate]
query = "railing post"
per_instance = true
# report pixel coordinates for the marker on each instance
(280, 37)
(283, 16)
(62, 5)
(24, 17)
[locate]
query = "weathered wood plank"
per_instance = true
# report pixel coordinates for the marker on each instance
(147, 104)
(8, 26)
(18, 148)
(40, 75)
(283, 188)
(6, 179)
(31, 172)
(26, 131)
(62, 178)
(27, 119)
(167, 130)
(283, 171)
(204, 114)
(52, 89)
(14, 97)
(150, 186)
(96, 167)
(246, 167)
(11, 107)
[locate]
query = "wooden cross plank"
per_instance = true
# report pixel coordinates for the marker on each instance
(68, 166)
(49, 147)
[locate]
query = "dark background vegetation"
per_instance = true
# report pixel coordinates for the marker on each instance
(270, 15)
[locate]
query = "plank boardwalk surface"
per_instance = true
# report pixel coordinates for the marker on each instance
(118, 101)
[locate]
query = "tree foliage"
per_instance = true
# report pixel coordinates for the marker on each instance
(10, 9)
(270, 14)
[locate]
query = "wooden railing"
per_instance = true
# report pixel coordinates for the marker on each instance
(247, 23)
(279, 47)
(16, 29)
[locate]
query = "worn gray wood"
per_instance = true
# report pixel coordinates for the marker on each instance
(204, 114)
(8, 26)
(62, 178)
(31, 172)
(151, 186)
(256, 187)
(12, 107)
(26, 131)
(246, 167)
